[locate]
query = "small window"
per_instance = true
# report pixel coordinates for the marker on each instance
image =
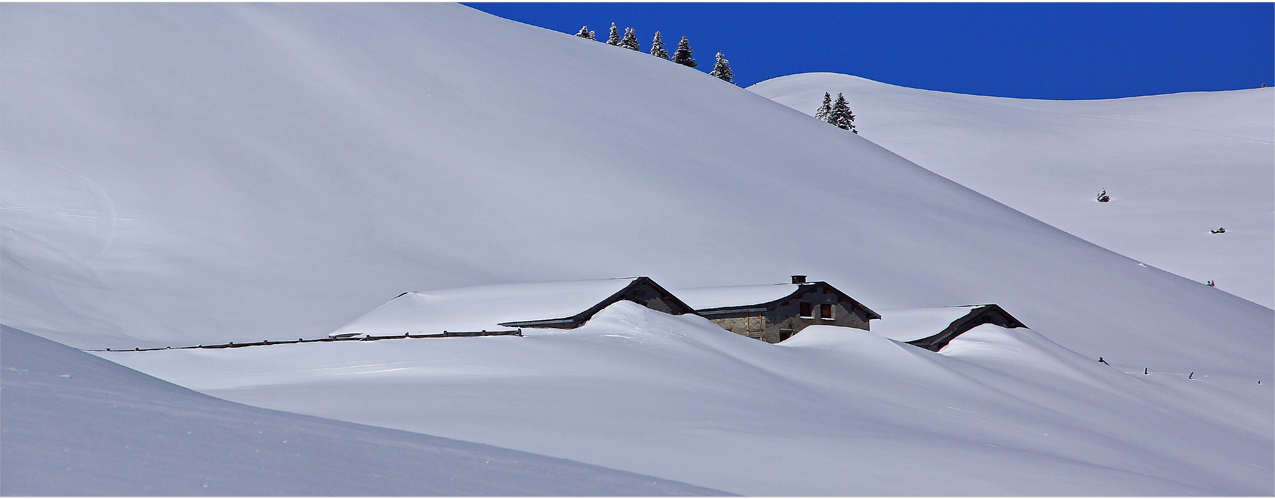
(806, 310)
(825, 311)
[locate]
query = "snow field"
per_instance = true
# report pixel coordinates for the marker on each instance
(832, 411)
(1175, 166)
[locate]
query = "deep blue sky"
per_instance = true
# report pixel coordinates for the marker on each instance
(1031, 50)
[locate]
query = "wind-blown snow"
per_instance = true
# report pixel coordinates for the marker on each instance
(917, 323)
(201, 173)
(728, 296)
(75, 424)
(479, 308)
(1175, 166)
(831, 411)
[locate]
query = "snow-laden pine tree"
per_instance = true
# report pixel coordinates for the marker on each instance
(657, 47)
(683, 54)
(722, 69)
(841, 115)
(614, 39)
(630, 39)
(585, 33)
(825, 109)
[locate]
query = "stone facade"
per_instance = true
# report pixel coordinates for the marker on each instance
(811, 305)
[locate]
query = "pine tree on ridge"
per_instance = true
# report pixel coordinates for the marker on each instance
(721, 69)
(841, 116)
(630, 39)
(657, 47)
(614, 39)
(825, 109)
(585, 33)
(683, 55)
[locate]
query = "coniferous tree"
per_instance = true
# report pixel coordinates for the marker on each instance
(825, 109)
(614, 39)
(722, 69)
(683, 55)
(841, 116)
(630, 39)
(657, 47)
(585, 33)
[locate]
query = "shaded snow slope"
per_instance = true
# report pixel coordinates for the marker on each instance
(75, 424)
(831, 411)
(203, 173)
(1175, 166)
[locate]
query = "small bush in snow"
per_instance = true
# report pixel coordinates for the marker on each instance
(1103, 197)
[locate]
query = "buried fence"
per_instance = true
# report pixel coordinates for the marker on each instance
(444, 334)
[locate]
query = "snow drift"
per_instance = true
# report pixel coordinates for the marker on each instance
(211, 173)
(831, 411)
(204, 173)
(75, 424)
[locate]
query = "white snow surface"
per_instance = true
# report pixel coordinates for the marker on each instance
(479, 308)
(915, 323)
(729, 296)
(831, 411)
(1175, 166)
(201, 173)
(77, 425)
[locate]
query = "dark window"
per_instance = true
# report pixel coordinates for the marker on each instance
(825, 311)
(785, 334)
(806, 310)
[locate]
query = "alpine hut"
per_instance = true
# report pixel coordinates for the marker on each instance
(933, 328)
(774, 312)
(484, 309)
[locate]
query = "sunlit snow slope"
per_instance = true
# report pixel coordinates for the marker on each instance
(190, 173)
(1175, 166)
(75, 424)
(195, 173)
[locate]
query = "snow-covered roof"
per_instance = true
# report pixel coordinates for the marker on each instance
(479, 308)
(912, 324)
(732, 296)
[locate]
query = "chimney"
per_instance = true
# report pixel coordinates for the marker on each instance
(799, 279)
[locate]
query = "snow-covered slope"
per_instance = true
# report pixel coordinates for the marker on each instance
(202, 173)
(198, 173)
(832, 411)
(75, 424)
(1175, 166)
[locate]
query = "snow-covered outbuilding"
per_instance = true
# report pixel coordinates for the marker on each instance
(775, 312)
(562, 304)
(933, 328)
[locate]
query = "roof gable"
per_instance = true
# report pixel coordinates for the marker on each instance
(757, 296)
(479, 308)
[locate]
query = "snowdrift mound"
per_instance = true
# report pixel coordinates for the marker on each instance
(831, 411)
(1174, 166)
(75, 424)
(234, 172)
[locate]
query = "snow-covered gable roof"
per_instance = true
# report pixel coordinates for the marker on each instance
(933, 328)
(733, 296)
(918, 323)
(759, 295)
(480, 308)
